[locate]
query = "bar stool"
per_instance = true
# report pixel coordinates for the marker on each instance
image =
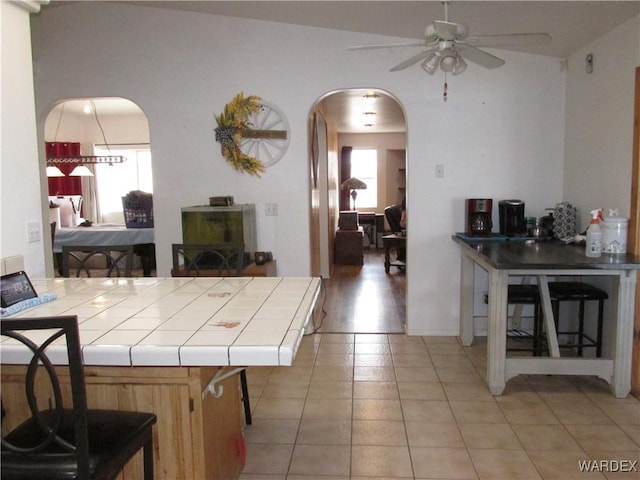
(528, 295)
(578, 292)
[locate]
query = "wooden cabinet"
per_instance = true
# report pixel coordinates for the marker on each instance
(194, 438)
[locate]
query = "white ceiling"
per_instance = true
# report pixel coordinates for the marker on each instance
(571, 24)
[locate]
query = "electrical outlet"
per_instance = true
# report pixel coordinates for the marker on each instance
(33, 232)
(271, 209)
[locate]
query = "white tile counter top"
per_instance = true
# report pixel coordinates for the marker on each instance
(179, 321)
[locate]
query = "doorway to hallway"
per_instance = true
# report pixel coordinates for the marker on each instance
(365, 299)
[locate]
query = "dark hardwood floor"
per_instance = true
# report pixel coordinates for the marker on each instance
(365, 299)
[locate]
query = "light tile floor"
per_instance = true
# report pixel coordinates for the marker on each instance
(389, 406)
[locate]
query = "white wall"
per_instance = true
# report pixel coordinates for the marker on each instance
(500, 135)
(21, 200)
(83, 128)
(599, 138)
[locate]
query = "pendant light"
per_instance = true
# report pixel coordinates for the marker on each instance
(81, 171)
(54, 171)
(53, 160)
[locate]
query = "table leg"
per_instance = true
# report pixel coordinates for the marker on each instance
(466, 300)
(387, 257)
(497, 331)
(623, 333)
(147, 252)
(549, 322)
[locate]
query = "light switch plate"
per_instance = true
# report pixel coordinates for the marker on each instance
(33, 232)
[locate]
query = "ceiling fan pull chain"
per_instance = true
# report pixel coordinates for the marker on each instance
(444, 93)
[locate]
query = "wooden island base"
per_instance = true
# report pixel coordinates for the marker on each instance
(194, 438)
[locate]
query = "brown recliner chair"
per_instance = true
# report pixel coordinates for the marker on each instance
(393, 214)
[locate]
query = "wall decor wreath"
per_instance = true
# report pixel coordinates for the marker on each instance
(232, 122)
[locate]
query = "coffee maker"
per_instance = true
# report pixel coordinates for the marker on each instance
(511, 214)
(479, 222)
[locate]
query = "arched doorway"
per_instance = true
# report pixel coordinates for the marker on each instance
(108, 138)
(363, 119)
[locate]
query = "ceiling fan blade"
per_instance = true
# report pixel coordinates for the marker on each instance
(445, 30)
(510, 40)
(478, 56)
(389, 45)
(411, 61)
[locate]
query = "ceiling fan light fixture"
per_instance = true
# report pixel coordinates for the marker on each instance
(449, 60)
(460, 67)
(430, 64)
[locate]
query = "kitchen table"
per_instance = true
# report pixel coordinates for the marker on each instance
(502, 259)
(102, 234)
(173, 346)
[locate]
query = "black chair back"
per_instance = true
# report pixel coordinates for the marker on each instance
(61, 438)
(192, 260)
(49, 421)
(80, 257)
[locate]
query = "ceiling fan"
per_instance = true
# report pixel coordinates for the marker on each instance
(447, 45)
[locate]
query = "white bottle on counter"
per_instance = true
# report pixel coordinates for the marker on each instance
(594, 236)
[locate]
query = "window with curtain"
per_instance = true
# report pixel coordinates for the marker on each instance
(364, 166)
(114, 181)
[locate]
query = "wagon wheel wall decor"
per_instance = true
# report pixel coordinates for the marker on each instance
(253, 134)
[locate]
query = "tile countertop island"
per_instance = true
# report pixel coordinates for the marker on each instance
(501, 259)
(167, 345)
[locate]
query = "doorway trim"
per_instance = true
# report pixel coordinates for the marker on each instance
(634, 233)
(324, 176)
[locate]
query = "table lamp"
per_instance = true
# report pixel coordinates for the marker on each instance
(354, 184)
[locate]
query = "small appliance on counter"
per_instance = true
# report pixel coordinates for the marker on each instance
(478, 221)
(512, 221)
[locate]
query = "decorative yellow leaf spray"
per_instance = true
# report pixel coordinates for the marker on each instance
(232, 122)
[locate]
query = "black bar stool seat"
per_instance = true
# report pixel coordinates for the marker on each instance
(579, 292)
(528, 295)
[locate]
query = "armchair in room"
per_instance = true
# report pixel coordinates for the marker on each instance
(393, 214)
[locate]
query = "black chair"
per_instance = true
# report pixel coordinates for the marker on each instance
(220, 260)
(80, 258)
(578, 292)
(67, 441)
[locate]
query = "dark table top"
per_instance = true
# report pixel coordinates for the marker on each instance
(545, 254)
